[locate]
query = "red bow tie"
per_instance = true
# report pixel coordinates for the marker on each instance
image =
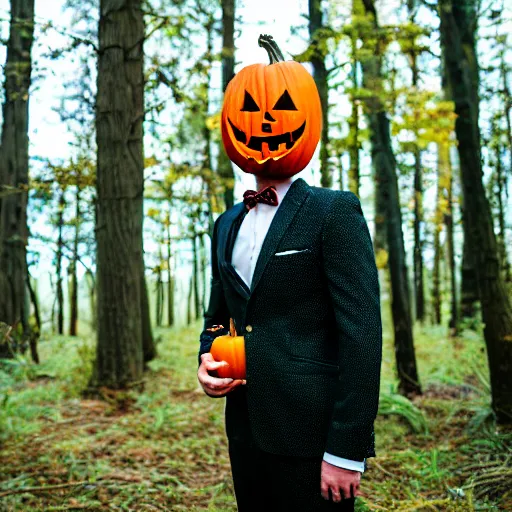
(267, 195)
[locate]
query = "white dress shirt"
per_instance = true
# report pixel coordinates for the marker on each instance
(246, 250)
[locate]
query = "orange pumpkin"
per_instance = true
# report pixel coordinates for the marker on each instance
(230, 348)
(272, 116)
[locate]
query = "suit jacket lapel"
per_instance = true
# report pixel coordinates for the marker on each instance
(226, 243)
(290, 205)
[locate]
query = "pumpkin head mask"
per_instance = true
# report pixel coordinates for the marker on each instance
(272, 116)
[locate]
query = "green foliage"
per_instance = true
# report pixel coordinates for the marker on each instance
(29, 393)
(403, 407)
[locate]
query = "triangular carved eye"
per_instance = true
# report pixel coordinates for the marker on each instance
(285, 102)
(249, 104)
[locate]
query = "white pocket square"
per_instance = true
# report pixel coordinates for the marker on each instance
(293, 251)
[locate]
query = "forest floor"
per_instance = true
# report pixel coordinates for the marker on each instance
(165, 449)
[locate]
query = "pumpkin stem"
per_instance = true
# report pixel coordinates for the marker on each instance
(232, 329)
(274, 53)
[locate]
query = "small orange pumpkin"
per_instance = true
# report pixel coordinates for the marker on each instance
(272, 116)
(230, 348)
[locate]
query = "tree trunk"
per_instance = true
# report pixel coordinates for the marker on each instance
(120, 187)
(148, 344)
(58, 266)
(197, 307)
(354, 178)
(170, 287)
(207, 156)
(159, 299)
(92, 299)
(35, 303)
(458, 26)
(418, 208)
(438, 226)
(190, 314)
(384, 164)
(419, 291)
(508, 108)
(204, 265)
(469, 290)
(35, 333)
(159, 290)
(320, 76)
(52, 316)
(502, 237)
(224, 167)
(445, 168)
(14, 167)
(73, 295)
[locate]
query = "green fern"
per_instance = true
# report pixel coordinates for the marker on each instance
(402, 406)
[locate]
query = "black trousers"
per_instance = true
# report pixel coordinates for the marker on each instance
(267, 482)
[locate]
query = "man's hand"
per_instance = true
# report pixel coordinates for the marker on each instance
(214, 386)
(343, 483)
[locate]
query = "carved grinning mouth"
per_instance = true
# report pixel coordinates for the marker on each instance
(274, 141)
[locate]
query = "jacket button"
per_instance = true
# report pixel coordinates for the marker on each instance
(249, 328)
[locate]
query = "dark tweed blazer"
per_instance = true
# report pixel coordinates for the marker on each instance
(312, 327)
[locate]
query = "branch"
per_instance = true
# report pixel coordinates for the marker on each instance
(8, 190)
(338, 66)
(44, 488)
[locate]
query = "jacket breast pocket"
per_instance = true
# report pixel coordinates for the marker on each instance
(293, 252)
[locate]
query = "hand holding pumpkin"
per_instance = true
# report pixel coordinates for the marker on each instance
(230, 349)
(214, 386)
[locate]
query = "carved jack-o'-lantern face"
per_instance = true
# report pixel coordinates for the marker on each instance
(272, 117)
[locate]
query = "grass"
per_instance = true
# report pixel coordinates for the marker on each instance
(165, 449)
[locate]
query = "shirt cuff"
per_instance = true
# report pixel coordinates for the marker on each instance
(354, 465)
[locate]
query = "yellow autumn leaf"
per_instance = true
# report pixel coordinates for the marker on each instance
(213, 122)
(153, 212)
(381, 258)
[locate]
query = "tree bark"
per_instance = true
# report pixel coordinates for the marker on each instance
(190, 314)
(458, 27)
(204, 263)
(159, 289)
(92, 299)
(170, 287)
(320, 76)
(120, 187)
(445, 168)
(353, 150)
(502, 237)
(195, 280)
(14, 167)
(419, 291)
(58, 265)
(73, 295)
(148, 344)
(438, 226)
(469, 285)
(354, 178)
(35, 333)
(224, 166)
(384, 164)
(207, 156)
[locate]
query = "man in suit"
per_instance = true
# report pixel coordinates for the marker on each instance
(294, 266)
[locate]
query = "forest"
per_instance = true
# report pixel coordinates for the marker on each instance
(113, 173)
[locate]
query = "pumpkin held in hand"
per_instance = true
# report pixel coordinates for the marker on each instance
(231, 349)
(272, 116)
